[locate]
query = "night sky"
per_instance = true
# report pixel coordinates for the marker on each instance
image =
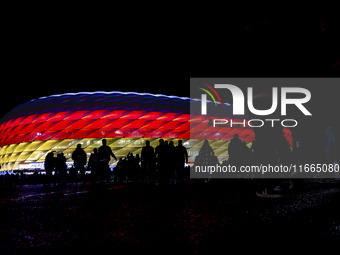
(261, 47)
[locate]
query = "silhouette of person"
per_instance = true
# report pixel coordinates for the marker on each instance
(246, 153)
(105, 154)
(49, 167)
(21, 178)
(119, 170)
(148, 161)
(160, 157)
(61, 168)
(253, 148)
(171, 160)
(330, 145)
(131, 165)
(166, 168)
(35, 177)
(206, 157)
(72, 175)
(206, 148)
(94, 165)
(123, 174)
(235, 150)
(79, 158)
(265, 152)
(181, 157)
(284, 153)
(136, 168)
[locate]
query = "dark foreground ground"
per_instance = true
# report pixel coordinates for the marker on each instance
(187, 217)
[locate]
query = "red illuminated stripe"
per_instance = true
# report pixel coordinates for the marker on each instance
(168, 116)
(97, 124)
(133, 115)
(16, 122)
(117, 124)
(114, 115)
(77, 115)
(79, 124)
(60, 116)
(95, 115)
(42, 118)
(151, 115)
(29, 119)
(136, 124)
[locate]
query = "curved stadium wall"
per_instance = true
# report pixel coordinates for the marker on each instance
(126, 119)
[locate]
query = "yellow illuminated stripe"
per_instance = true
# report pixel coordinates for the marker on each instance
(122, 142)
(5, 159)
(21, 147)
(65, 144)
(13, 157)
(87, 142)
(36, 155)
(48, 145)
(11, 148)
(33, 146)
(24, 155)
(3, 150)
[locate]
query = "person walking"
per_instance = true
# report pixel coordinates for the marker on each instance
(148, 161)
(330, 145)
(105, 154)
(79, 158)
(160, 153)
(49, 167)
(61, 168)
(181, 157)
(94, 165)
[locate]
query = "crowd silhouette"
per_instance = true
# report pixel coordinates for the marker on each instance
(276, 152)
(166, 162)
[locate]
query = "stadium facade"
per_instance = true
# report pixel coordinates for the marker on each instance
(126, 119)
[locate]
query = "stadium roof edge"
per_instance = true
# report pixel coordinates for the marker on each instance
(111, 92)
(125, 93)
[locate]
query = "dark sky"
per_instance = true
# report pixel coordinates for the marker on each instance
(39, 65)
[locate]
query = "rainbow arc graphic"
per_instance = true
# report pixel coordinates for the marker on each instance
(209, 93)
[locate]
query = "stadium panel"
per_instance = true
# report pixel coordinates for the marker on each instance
(126, 119)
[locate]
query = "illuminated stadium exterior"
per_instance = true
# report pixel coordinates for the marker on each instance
(126, 119)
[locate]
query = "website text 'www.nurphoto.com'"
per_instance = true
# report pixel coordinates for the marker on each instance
(268, 168)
